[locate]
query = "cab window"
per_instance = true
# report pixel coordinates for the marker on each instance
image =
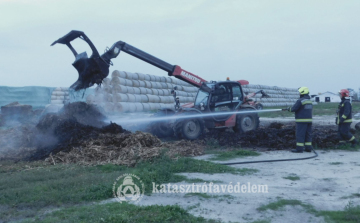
(237, 95)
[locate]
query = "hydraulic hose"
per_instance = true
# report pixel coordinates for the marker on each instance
(268, 161)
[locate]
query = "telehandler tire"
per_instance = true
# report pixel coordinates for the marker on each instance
(247, 122)
(162, 129)
(189, 128)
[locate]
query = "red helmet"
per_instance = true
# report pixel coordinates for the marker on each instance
(344, 93)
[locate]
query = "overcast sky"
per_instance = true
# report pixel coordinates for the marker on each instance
(285, 43)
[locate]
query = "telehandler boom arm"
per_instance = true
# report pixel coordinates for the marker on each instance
(94, 69)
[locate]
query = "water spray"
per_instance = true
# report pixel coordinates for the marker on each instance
(200, 115)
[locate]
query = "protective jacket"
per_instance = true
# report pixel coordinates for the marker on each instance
(303, 109)
(344, 113)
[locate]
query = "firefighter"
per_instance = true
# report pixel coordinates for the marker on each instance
(344, 119)
(303, 118)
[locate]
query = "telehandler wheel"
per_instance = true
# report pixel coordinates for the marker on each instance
(246, 122)
(191, 128)
(162, 128)
(259, 106)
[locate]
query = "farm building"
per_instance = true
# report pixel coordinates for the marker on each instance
(326, 97)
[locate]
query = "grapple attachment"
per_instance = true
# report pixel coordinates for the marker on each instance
(92, 70)
(264, 95)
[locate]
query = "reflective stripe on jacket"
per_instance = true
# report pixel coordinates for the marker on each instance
(345, 111)
(303, 109)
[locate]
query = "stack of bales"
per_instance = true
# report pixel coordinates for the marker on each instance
(135, 92)
(59, 97)
(279, 96)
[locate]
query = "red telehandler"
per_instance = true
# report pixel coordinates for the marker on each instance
(218, 105)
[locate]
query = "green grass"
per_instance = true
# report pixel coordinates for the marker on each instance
(198, 180)
(227, 155)
(124, 212)
(281, 203)
(351, 213)
(336, 163)
(201, 195)
(25, 188)
(220, 198)
(261, 221)
(319, 109)
(347, 147)
(355, 195)
(292, 177)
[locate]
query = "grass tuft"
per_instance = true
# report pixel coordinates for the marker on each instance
(221, 156)
(292, 177)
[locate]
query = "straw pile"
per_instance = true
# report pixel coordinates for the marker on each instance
(124, 149)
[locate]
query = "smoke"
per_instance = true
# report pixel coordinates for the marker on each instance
(35, 136)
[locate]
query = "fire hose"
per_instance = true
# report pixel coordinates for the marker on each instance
(268, 161)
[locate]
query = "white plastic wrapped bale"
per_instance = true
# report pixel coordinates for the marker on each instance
(108, 107)
(137, 98)
(124, 107)
(148, 84)
(120, 97)
(142, 90)
(152, 78)
(142, 83)
(131, 97)
(135, 83)
(130, 90)
(119, 89)
(146, 106)
(60, 96)
(144, 98)
(148, 91)
(153, 98)
(136, 90)
(147, 77)
(117, 73)
(128, 82)
(141, 76)
(107, 89)
(170, 85)
(155, 91)
(139, 107)
(106, 81)
(117, 81)
(120, 107)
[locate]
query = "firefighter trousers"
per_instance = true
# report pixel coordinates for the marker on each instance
(344, 133)
(303, 136)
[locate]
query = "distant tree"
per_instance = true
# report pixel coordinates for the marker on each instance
(355, 96)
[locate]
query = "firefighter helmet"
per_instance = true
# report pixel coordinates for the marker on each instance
(344, 93)
(303, 90)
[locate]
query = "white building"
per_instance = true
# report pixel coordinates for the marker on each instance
(326, 97)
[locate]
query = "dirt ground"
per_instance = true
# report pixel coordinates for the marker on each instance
(325, 182)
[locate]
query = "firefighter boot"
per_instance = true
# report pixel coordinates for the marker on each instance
(341, 144)
(308, 149)
(299, 149)
(354, 143)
